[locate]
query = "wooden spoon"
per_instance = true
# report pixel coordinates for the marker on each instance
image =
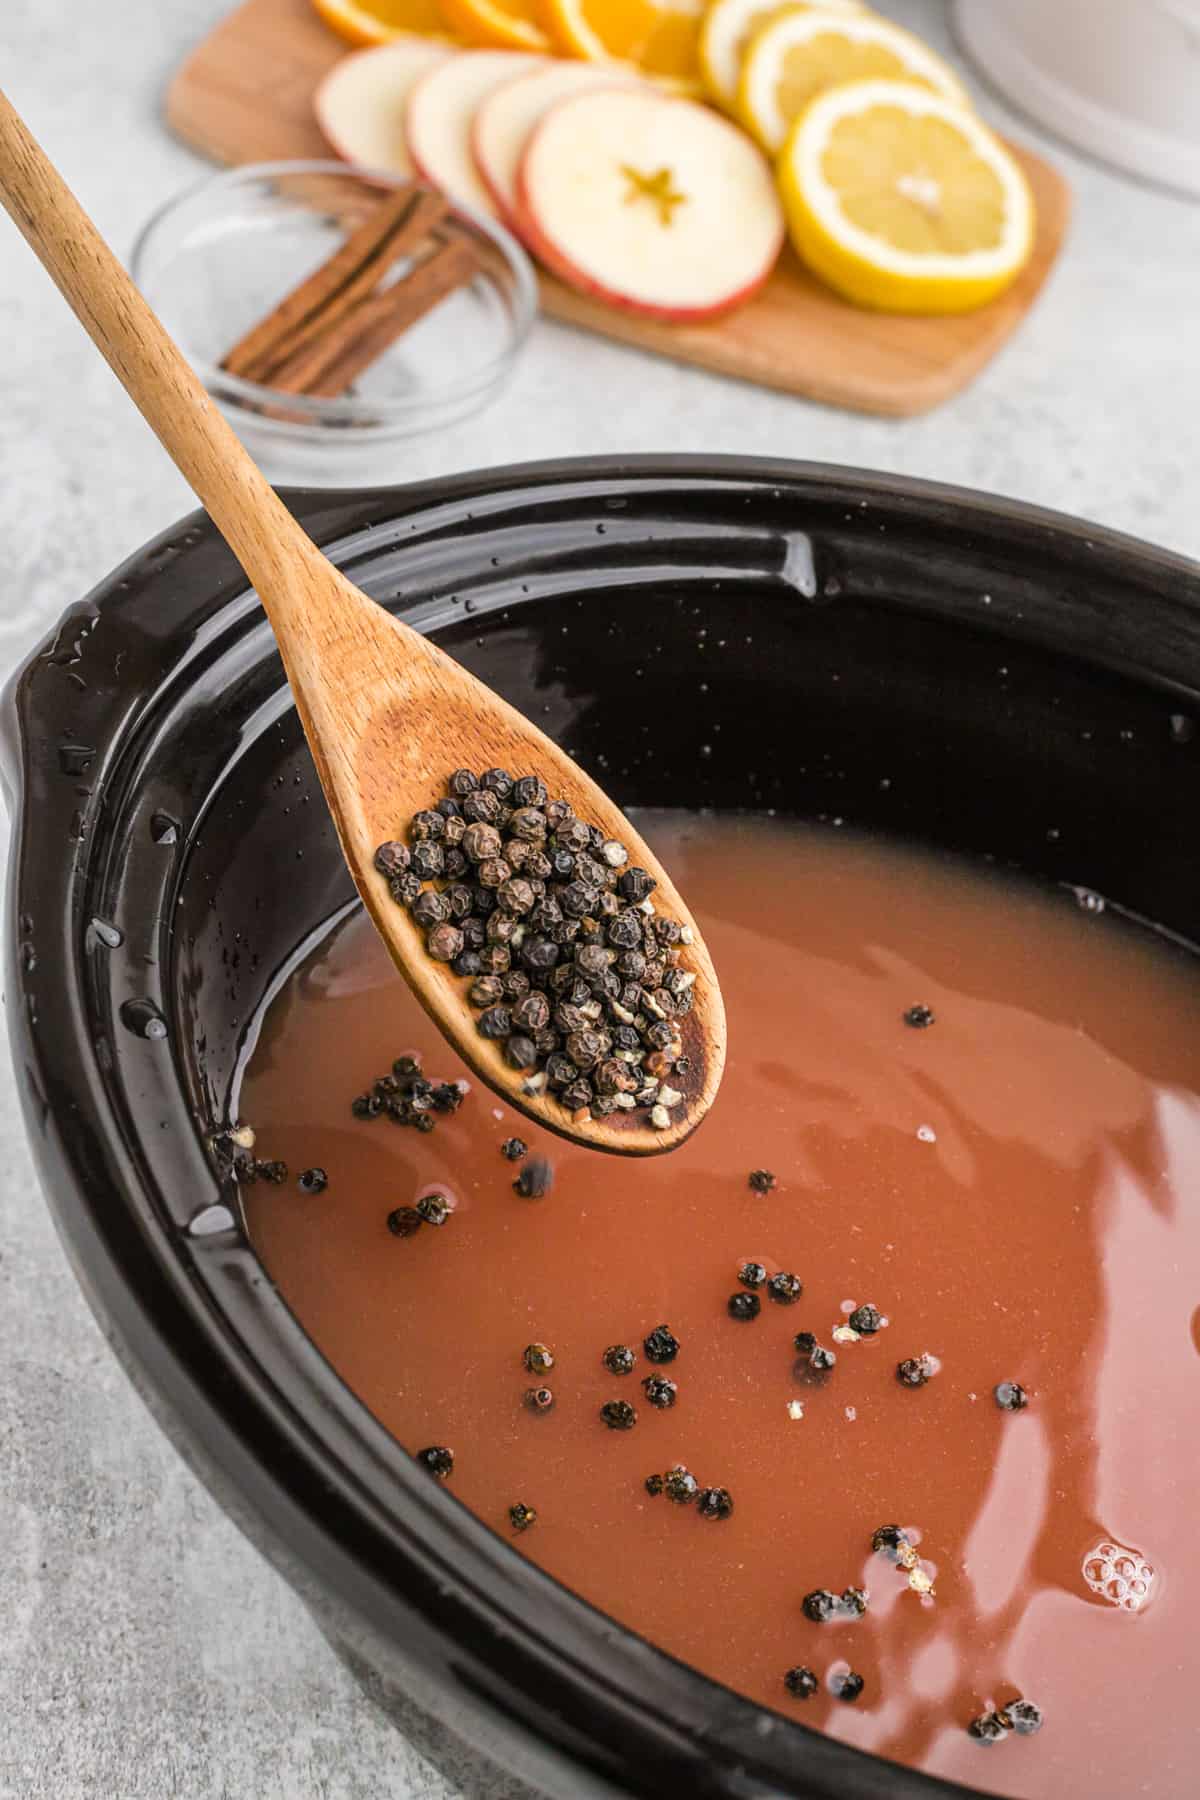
(387, 714)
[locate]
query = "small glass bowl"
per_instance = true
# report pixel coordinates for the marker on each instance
(218, 257)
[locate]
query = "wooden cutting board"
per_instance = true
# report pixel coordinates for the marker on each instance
(245, 96)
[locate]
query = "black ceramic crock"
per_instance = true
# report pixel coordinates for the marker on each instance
(911, 658)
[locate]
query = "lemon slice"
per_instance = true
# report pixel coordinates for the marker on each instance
(799, 54)
(727, 29)
(903, 200)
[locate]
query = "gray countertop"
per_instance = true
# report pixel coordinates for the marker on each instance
(146, 1650)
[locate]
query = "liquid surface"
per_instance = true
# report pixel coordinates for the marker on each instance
(1016, 1188)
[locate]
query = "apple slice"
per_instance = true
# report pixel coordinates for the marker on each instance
(360, 104)
(438, 119)
(656, 205)
(508, 117)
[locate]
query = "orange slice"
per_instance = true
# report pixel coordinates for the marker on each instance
(379, 21)
(660, 36)
(496, 24)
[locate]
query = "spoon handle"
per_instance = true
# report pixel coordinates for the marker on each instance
(271, 547)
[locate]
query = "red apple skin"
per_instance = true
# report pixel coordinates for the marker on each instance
(503, 210)
(538, 244)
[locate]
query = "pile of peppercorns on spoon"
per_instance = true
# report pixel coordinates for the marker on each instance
(573, 971)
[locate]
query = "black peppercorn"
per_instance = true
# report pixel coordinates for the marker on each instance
(366, 1106)
(529, 790)
(660, 1345)
(445, 943)
(761, 1181)
(1022, 1716)
(805, 1342)
(785, 1289)
(918, 1017)
(438, 1460)
(447, 1097)
(714, 1503)
(635, 885)
(988, 1728)
(312, 1181)
(405, 888)
(521, 1517)
(392, 859)
(482, 807)
(618, 1415)
(820, 1606)
(888, 1541)
(425, 827)
(496, 1022)
(744, 1306)
(752, 1274)
(866, 1320)
(854, 1602)
(404, 1221)
(914, 1371)
(271, 1170)
(1011, 1396)
(428, 860)
(660, 1391)
(520, 1052)
(538, 1358)
(680, 1485)
(801, 1683)
(498, 781)
(467, 963)
(654, 1485)
(513, 1149)
(434, 1208)
(618, 1359)
(535, 1180)
(846, 1686)
(486, 991)
(463, 782)
(481, 843)
(576, 1095)
(539, 1399)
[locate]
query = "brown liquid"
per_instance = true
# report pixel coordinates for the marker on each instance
(1048, 1232)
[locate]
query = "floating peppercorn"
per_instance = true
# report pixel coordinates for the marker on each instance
(680, 1485)
(535, 1180)
(661, 1346)
(866, 1320)
(312, 1181)
(513, 1149)
(820, 1606)
(273, 1171)
(538, 1358)
(714, 1503)
(752, 1274)
(846, 1686)
(1022, 1716)
(438, 1460)
(404, 1221)
(854, 1601)
(918, 1017)
(801, 1683)
(434, 1208)
(618, 1415)
(539, 1399)
(785, 1289)
(889, 1541)
(743, 1306)
(654, 1485)
(618, 1359)
(1011, 1396)
(821, 1361)
(914, 1371)
(988, 1728)
(761, 1181)
(521, 1517)
(660, 1391)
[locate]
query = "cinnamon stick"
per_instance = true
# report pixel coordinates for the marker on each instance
(391, 230)
(327, 365)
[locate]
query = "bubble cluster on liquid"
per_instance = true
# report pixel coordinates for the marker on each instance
(1122, 1577)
